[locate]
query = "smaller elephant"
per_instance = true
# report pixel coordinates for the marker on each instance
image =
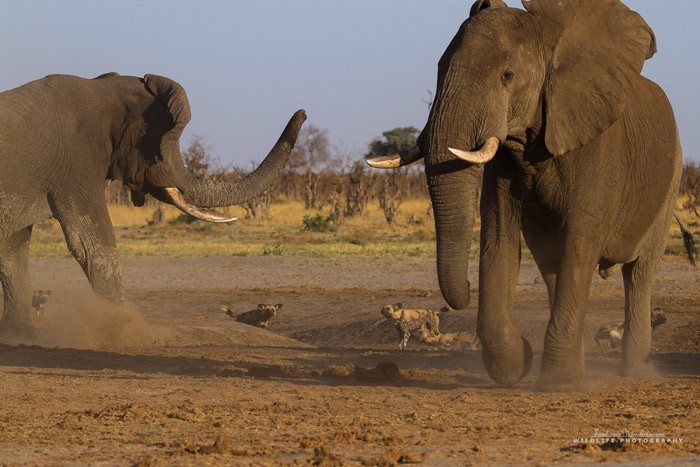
(62, 136)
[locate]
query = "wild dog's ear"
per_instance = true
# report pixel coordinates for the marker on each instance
(597, 58)
(398, 305)
(278, 306)
(483, 4)
(261, 306)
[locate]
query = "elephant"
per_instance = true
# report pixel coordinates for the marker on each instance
(62, 136)
(544, 109)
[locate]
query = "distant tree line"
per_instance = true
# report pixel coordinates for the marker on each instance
(327, 177)
(690, 187)
(320, 175)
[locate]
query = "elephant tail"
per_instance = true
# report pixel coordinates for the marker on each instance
(688, 241)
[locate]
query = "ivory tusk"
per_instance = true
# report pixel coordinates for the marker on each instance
(483, 155)
(395, 161)
(194, 211)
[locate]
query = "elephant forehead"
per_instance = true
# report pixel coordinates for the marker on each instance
(500, 27)
(491, 38)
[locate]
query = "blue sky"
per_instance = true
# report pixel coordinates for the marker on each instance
(359, 67)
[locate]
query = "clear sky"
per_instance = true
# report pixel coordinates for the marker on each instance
(359, 67)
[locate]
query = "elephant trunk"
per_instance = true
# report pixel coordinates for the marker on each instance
(215, 193)
(453, 186)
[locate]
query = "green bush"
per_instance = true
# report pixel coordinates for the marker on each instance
(275, 249)
(319, 222)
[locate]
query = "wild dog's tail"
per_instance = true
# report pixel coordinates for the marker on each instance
(229, 311)
(688, 241)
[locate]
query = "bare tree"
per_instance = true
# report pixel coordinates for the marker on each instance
(359, 188)
(197, 157)
(312, 158)
(690, 186)
(258, 207)
(337, 198)
(390, 197)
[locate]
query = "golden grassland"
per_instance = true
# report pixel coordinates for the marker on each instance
(282, 233)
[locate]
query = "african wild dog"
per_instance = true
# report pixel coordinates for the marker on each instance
(39, 301)
(259, 317)
(609, 338)
(408, 321)
(455, 340)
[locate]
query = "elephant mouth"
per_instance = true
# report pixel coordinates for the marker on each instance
(176, 197)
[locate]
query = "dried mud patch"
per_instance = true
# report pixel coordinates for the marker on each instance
(325, 384)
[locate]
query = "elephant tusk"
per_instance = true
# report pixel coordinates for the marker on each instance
(395, 161)
(194, 211)
(483, 155)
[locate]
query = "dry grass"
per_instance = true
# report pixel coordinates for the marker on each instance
(281, 234)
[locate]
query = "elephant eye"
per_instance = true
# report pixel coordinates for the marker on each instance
(508, 76)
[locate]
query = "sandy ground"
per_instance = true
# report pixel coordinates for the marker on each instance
(173, 380)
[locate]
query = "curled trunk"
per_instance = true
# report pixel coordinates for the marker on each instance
(212, 193)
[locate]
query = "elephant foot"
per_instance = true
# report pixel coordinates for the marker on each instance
(638, 370)
(561, 380)
(509, 367)
(548, 384)
(16, 331)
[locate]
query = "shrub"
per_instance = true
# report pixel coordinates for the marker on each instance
(276, 249)
(319, 222)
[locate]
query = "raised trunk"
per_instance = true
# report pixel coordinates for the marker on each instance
(213, 193)
(453, 186)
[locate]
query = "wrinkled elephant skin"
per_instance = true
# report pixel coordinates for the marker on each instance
(587, 170)
(62, 136)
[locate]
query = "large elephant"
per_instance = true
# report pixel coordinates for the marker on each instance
(580, 153)
(62, 136)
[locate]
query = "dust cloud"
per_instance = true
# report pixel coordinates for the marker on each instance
(81, 320)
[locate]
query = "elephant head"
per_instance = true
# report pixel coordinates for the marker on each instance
(146, 154)
(557, 73)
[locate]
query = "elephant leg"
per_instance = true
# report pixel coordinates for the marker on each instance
(636, 340)
(563, 364)
(90, 238)
(14, 277)
(506, 355)
(638, 278)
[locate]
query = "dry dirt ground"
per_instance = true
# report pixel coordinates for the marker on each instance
(179, 382)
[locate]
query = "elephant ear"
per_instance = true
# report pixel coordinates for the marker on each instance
(484, 4)
(165, 121)
(151, 136)
(599, 54)
(173, 97)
